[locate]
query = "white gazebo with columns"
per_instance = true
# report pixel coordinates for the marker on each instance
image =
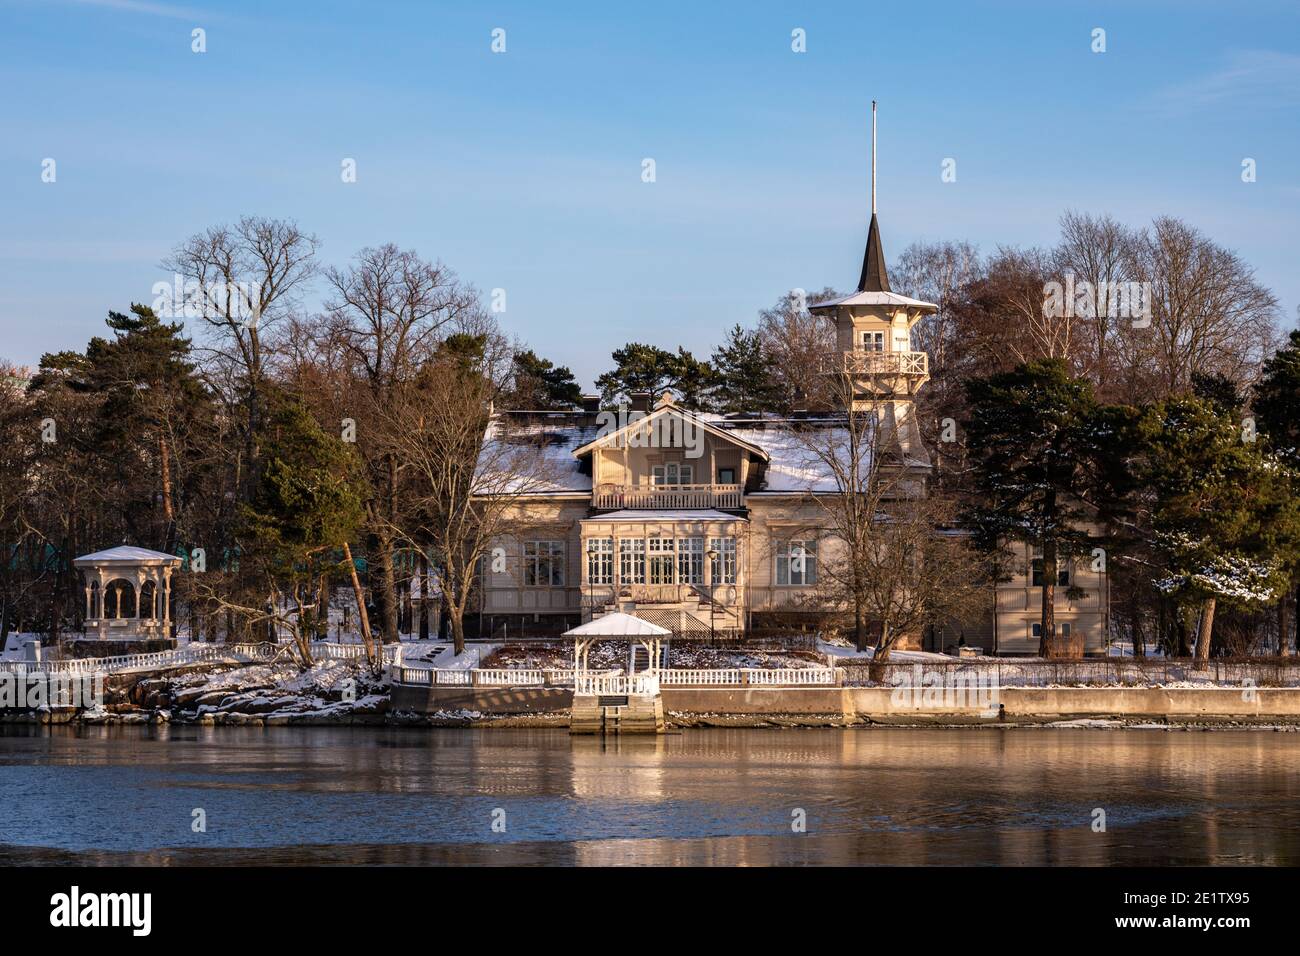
(128, 593)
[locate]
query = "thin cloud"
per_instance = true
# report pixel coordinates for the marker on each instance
(140, 6)
(1260, 78)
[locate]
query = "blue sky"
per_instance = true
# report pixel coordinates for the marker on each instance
(522, 170)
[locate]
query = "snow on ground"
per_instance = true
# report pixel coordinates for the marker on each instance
(844, 650)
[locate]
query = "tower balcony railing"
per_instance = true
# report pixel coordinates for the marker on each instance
(863, 362)
(666, 497)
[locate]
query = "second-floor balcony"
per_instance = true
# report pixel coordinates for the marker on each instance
(667, 497)
(867, 362)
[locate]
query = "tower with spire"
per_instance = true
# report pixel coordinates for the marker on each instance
(874, 356)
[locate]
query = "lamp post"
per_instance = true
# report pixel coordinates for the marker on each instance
(591, 592)
(713, 590)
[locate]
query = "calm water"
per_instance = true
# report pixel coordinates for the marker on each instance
(885, 796)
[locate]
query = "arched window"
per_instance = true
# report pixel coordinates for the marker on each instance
(148, 600)
(119, 598)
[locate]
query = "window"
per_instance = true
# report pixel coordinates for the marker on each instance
(600, 561)
(726, 476)
(544, 564)
(672, 473)
(631, 561)
(661, 560)
(690, 560)
(722, 569)
(872, 341)
(796, 562)
(1062, 628)
(1036, 570)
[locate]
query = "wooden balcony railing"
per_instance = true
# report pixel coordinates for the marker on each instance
(861, 362)
(669, 497)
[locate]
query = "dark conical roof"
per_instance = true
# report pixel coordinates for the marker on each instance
(874, 278)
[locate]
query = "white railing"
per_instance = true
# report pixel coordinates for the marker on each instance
(328, 651)
(191, 654)
(616, 684)
(667, 496)
(862, 362)
(672, 677)
(749, 676)
(187, 654)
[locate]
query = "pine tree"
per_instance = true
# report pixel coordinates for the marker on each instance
(650, 369)
(1277, 416)
(1222, 516)
(539, 383)
(306, 508)
(743, 367)
(1035, 437)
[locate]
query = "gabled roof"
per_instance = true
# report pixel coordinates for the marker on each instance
(667, 406)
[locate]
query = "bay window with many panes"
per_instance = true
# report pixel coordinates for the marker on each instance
(722, 567)
(662, 560)
(690, 560)
(600, 561)
(631, 561)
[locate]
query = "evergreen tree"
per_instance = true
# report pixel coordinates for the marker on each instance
(650, 369)
(743, 369)
(538, 383)
(1277, 417)
(1222, 516)
(306, 508)
(1035, 437)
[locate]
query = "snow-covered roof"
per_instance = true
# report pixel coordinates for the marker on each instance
(125, 554)
(618, 624)
(876, 298)
(634, 514)
(560, 471)
(792, 464)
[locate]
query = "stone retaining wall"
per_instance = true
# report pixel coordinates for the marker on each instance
(883, 704)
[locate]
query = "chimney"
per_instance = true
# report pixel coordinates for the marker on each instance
(591, 403)
(640, 401)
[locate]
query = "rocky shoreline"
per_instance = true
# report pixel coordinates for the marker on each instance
(345, 693)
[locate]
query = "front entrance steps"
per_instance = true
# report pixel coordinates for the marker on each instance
(617, 714)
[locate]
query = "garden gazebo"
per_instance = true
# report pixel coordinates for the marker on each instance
(128, 593)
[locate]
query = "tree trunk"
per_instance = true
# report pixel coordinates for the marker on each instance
(1047, 646)
(859, 626)
(1205, 635)
(386, 592)
(362, 616)
(457, 627)
(1283, 625)
(424, 596)
(1135, 625)
(301, 636)
(878, 667)
(1296, 618)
